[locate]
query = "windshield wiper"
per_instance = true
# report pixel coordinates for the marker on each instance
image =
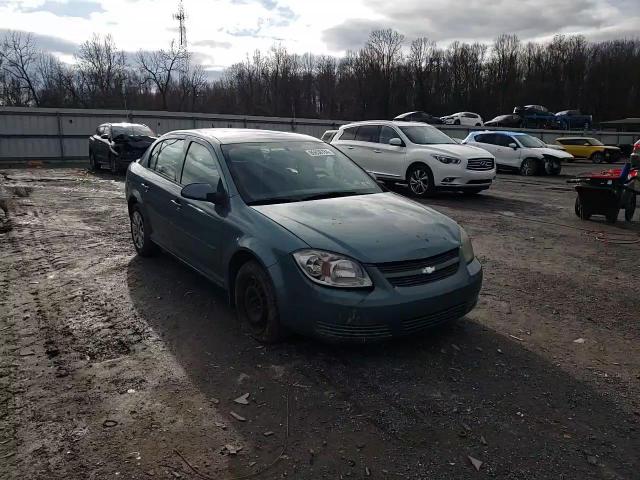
(320, 196)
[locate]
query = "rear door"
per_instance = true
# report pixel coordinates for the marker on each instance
(388, 160)
(103, 145)
(485, 141)
(367, 137)
(346, 140)
(200, 223)
(163, 202)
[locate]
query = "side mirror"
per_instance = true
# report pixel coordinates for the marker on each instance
(514, 146)
(205, 193)
(396, 142)
(105, 136)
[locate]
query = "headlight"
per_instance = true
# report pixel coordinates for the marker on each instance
(466, 248)
(332, 269)
(447, 160)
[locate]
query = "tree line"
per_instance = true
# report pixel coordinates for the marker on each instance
(385, 77)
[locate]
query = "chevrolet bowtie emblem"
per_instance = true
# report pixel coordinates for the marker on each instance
(428, 270)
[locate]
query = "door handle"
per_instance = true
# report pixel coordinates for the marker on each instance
(377, 151)
(145, 186)
(350, 148)
(177, 203)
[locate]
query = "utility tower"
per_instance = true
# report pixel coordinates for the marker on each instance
(181, 17)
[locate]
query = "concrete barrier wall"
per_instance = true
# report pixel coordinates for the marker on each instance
(60, 135)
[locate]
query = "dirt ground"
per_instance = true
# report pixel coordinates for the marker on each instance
(114, 366)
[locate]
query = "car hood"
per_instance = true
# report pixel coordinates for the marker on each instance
(456, 150)
(553, 152)
(382, 227)
(612, 148)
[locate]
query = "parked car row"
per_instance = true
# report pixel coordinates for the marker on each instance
(538, 116)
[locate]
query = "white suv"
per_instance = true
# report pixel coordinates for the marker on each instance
(519, 151)
(463, 118)
(418, 154)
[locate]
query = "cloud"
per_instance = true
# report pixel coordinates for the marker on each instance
(479, 20)
(212, 44)
(48, 43)
(68, 8)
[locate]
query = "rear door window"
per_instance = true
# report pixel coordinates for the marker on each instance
(166, 159)
(485, 138)
(368, 133)
(200, 166)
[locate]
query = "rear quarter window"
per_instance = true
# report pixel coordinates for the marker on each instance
(348, 133)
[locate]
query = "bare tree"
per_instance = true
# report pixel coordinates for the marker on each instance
(159, 68)
(19, 59)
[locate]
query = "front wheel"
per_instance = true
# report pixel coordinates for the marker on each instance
(256, 305)
(597, 157)
(420, 180)
(456, 122)
(140, 233)
(94, 166)
(553, 168)
(113, 165)
(529, 167)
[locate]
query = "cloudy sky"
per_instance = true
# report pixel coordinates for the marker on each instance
(222, 32)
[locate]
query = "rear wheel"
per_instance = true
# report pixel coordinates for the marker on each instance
(140, 233)
(612, 216)
(420, 180)
(255, 301)
(529, 167)
(581, 211)
(597, 157)
(630, 208)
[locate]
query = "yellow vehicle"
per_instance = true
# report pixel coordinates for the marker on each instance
(591, 148)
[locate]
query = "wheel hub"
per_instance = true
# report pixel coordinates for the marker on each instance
(419, 181)
(137, 229)
(255, 303)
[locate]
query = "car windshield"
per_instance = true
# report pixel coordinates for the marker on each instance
(131, 131)
(424, 135)
(281, 172)
(531, 142)
(594, 141)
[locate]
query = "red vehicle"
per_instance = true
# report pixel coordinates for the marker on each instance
(607, 192)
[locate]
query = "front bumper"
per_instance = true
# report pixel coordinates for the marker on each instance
(375, 314)
(456, 176)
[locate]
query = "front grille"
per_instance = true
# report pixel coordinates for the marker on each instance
(412, 272)
(346, 331)
(480, 164)
(417, 324)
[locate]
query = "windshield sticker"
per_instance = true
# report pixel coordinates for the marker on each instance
(320, 152)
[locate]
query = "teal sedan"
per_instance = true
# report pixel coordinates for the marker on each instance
(300, 236)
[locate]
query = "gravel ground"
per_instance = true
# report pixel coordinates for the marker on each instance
(113, 366)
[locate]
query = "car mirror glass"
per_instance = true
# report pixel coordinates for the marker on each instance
(513, 145)
(395, 142)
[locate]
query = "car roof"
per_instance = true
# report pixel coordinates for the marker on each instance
(408, 113)
(125, 124)
(397, 123)
(245, 135)
(576, 138)
(505, 132)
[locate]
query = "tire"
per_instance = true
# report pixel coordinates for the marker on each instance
(612, 216)
(581, 212)
(552, 168)
(630, 208)
(597, 157)
(140, 233)
(456, 122)
(529, 167)
(255, 302)
(420, 180)
(94, 166)
(113, 166)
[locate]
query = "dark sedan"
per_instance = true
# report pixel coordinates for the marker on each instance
(300, 236)
(508, 121)
(115, 145)
(419, 116)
